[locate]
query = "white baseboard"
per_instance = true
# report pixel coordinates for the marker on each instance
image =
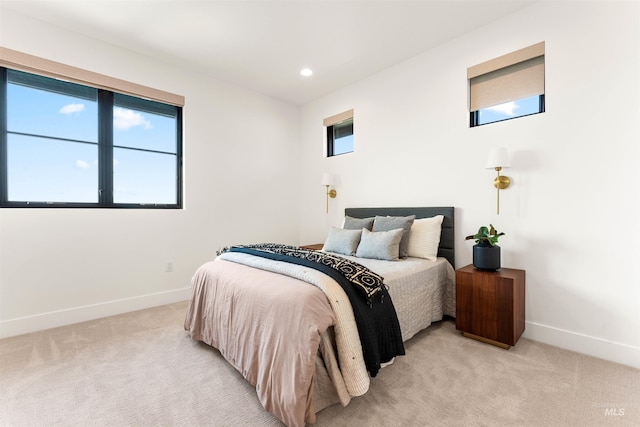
(54, 319)
(585, 344)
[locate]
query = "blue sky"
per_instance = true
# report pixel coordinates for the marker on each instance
(343, 145)
(45, 169)
(508, 110)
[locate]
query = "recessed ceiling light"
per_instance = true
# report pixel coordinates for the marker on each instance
(306, 72)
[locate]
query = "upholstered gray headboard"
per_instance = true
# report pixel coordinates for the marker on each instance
(447, 237)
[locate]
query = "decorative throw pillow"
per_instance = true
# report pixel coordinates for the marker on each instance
(342, 241)
(351, 223)
(424, 237)
(380, 245)
(386, 223)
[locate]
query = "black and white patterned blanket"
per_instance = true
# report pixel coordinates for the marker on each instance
(364, 280)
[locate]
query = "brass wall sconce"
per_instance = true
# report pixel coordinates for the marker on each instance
(498, 160)
(328, 180)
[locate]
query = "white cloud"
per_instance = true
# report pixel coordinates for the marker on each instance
(124, 119)
(81, 164)
(116, 162)
(71, 108)
(508, 108)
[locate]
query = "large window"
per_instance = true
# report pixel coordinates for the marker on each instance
(507, 87)
(64, 144)
(339, 130)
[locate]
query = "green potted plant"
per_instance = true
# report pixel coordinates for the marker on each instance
(486, 252)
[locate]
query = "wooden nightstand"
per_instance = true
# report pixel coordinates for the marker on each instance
(490, 304)
(315, 246)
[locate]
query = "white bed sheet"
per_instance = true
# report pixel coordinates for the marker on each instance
(422, 291)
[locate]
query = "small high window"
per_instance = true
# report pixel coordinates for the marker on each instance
(339, 133)
(507, 87)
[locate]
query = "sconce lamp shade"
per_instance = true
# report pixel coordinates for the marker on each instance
(328, 179)
(498, 158)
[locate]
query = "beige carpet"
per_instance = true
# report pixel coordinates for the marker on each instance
(141, 369)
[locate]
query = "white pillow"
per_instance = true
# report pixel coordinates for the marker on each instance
(424, 237)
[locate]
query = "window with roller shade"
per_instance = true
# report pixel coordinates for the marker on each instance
(339, 133)
(64, 144)
(507, 87)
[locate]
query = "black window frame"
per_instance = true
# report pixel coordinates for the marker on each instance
(474, 116)
(331, 136)
(105, 151)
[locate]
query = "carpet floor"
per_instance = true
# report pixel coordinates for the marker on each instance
(142, 369)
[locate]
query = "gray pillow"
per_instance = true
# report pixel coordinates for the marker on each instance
(342, 241)
(385, 223)
(380, 245)
(352, 223)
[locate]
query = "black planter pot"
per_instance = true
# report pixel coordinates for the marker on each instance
(486, 257)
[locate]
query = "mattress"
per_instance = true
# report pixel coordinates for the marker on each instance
(422, 291)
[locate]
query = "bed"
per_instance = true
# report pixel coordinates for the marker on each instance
(303, 347)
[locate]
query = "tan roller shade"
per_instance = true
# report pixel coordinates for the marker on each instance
(330, 121)
(32, 64)
(517, 75)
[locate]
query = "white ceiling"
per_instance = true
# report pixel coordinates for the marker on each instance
(263, 45)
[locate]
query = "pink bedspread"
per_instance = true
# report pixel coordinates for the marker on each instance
(270, 341)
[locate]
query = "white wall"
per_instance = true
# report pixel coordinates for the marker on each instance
(59, 266)
(571, 215)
